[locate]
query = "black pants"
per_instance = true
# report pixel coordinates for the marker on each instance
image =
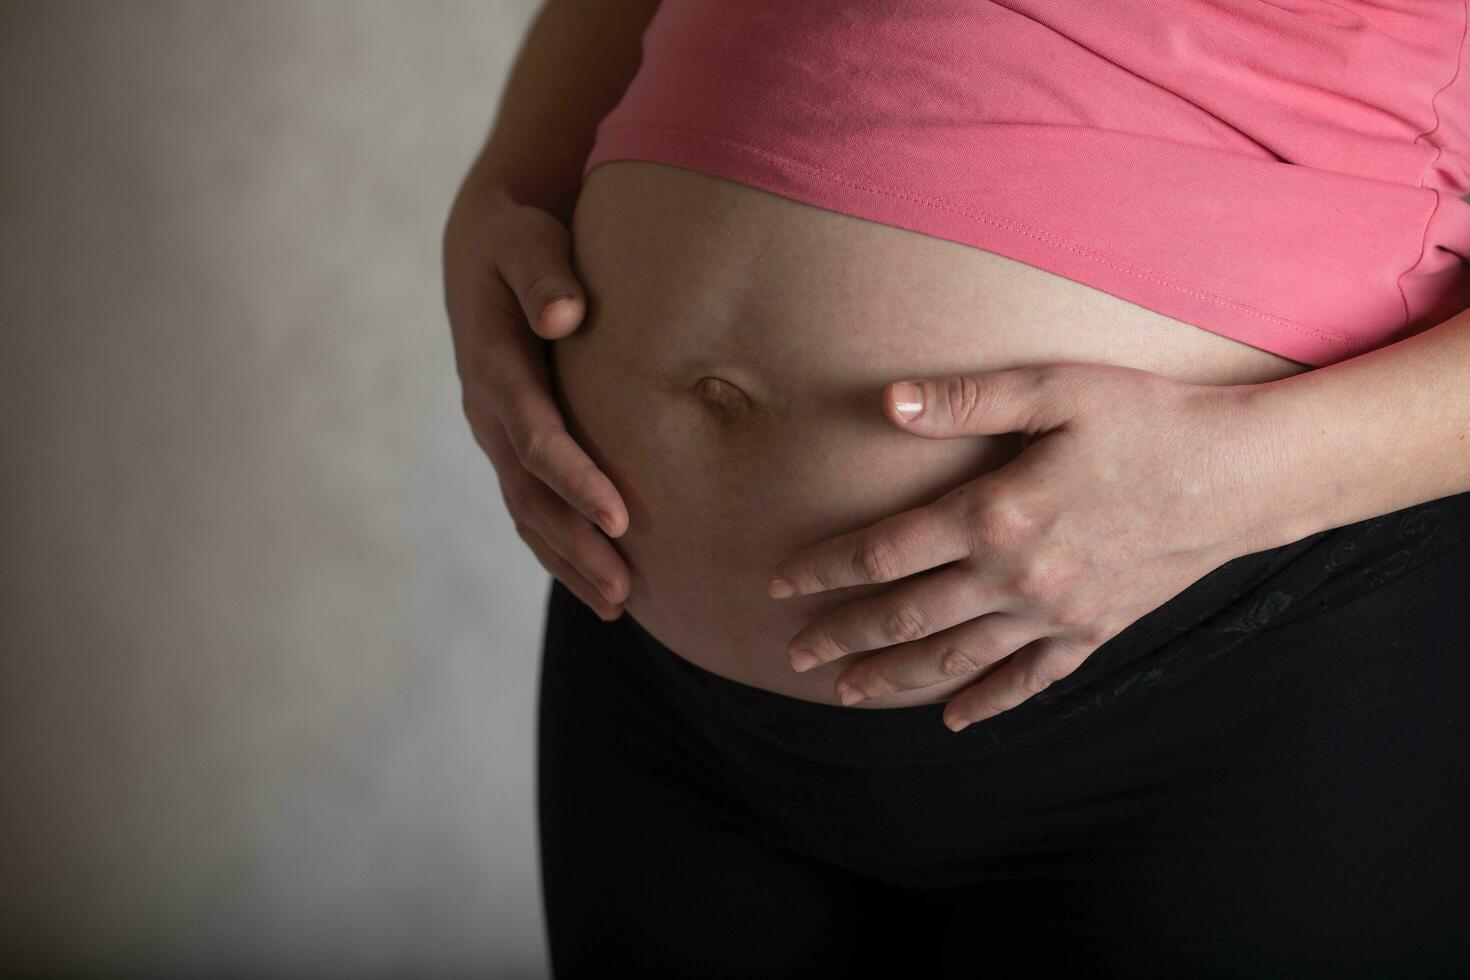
(1269, 775)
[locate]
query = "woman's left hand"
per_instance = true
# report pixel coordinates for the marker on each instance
(1131, 487)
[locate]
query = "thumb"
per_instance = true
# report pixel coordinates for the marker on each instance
(534, 259)
(1024, 399)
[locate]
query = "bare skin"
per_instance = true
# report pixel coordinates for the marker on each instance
(728, 377)
(507, 261)
(786, 410)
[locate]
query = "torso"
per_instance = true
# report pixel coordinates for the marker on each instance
(729, 373)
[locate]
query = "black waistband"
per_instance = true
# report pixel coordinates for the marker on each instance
(1162, 648)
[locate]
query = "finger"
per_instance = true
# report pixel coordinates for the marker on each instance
(571, 536)
(577, 541)
(534, 258)
(507, 388)
(893, 548)
(971, 648)
(528, 422)
(909, 611)
(563, 572)
(503, 366)
(1028, 671)
(1032, 398)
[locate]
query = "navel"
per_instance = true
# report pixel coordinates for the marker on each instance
(723, 396)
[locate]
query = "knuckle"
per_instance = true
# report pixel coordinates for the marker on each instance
(962, 396)
(536, 447)
(817, 575)
(541, 287)
(1040, 581)
(876, 561)
(1035, 680)
(906, 623)
(954, 662)
(868, 683)
(1076, 614)
(998, 523)
(832, 640)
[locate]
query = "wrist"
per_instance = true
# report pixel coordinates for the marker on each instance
(1311, 463)
(1361, 437)
(1272, 475)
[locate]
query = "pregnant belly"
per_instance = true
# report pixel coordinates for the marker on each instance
(728, 378)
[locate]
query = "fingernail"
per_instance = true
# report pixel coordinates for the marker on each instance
(850, 695)
(604, 520)
(956, 723)
(804, 660)
(605, 587)
(908, 400)
(552, 302)
(780, 588)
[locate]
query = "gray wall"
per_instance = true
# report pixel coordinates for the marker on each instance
(268, 641)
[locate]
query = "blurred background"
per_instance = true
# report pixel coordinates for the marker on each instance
(268, 639)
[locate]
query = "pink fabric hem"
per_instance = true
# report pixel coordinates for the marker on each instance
(1205, 301)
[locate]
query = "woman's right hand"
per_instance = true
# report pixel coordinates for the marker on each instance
(507, 274)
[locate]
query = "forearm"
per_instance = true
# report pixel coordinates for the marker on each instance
(1367, 436)
(572, 68)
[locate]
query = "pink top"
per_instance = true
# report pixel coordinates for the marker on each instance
(1287, 173)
